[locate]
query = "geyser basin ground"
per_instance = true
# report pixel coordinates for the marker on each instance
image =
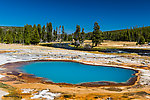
(75, 73)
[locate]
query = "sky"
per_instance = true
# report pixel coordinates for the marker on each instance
(110, 14)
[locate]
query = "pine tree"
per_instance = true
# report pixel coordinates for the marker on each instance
(82, 36)
(44, 35)
(77, 33)
(96, 37)
(8, 38)
(19, 37)
(27, 34)
(63, 33)
(77, 36)
(59, 35)
(65, 37)
(14, 35)
(1, 35)
(49, 32)
(35, 38)
(39, 31)
(55, 35)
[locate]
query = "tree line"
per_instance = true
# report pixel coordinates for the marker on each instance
(134, 34)
(33, 34)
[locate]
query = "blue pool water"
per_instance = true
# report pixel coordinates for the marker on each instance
(74, 73)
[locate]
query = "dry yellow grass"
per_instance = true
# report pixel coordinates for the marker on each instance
(113, 43)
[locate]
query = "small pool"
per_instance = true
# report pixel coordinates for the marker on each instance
(75, 73)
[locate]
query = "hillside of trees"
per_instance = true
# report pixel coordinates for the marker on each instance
(135, 34)
(35, 34)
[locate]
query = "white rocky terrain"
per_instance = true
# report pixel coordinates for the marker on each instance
(27, 53)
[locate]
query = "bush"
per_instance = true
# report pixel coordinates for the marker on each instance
(67, 96)
(87, 46)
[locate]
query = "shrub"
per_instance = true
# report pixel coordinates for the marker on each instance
(67, 96)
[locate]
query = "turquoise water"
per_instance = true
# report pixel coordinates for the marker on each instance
(74, 73)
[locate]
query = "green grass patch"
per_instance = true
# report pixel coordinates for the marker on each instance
(7, 87)
(13, 95)
(113, 89)
(46, 44)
